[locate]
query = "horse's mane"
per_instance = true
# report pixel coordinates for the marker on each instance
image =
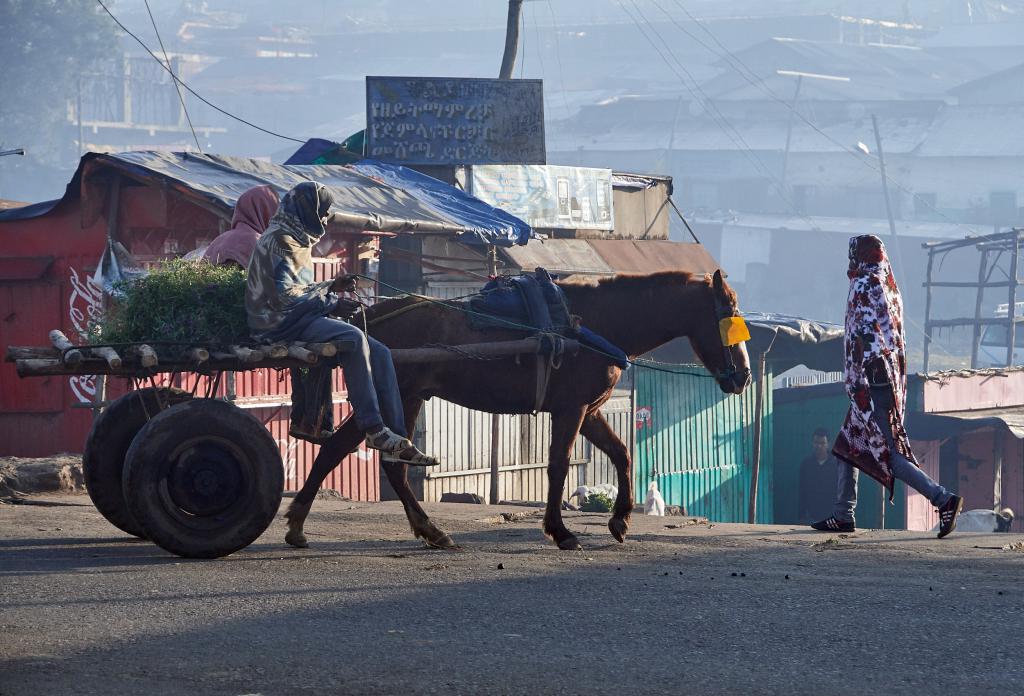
(635, 283)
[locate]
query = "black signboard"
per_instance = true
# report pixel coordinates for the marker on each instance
(442, 120)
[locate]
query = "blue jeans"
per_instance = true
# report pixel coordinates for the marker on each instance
(369, 374)
(902, 468)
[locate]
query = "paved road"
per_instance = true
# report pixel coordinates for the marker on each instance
(367, 610)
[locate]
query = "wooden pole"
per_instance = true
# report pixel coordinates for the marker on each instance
(508, 59)
(928, 310)
(1012, 307)
(980, 296)
(492, 270)
(997, 467)
(758, 417)
(43, 362)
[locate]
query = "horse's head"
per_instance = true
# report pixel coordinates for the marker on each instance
(718, 337)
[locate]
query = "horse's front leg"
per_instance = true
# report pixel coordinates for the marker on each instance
(596, 429)
(565, 426)
(398, 476)
(343, 442)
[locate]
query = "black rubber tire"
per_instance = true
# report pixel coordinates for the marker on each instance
(203, 479)
(108, 442)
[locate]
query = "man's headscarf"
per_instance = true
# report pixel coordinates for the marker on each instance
(302, 212)
(874, 336)
(252, 214)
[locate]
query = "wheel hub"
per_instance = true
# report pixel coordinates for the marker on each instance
(205, 478)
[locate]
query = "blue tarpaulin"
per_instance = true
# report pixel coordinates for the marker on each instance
(369, 196)
(486, 224)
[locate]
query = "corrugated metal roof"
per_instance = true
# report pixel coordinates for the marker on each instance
(934, 426)
(611, 256)
(651, 256)
(1012, 418)
(559, 256)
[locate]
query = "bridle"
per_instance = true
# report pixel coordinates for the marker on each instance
(730, 372)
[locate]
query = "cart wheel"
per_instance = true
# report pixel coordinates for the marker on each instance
(108, 442)
(203, 479)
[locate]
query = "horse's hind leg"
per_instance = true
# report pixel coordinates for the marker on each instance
(565, 426)
(397, 474)
(343, 442)
(596, 429)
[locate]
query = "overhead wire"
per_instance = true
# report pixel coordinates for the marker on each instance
(713, 111)
(189, 89)
(561, 74)
(177, 87)
(737, 64)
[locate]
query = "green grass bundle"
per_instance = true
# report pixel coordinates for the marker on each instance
(187, 301)
(597, 502)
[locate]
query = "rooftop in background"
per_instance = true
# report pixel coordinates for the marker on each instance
(875, 71)
(838, 225)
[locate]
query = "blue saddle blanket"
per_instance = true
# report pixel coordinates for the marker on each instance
(532, 302)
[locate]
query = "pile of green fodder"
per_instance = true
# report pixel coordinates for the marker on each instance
(187, 302)
(597, 502)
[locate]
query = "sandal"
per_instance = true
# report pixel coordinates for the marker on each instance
(397, 448)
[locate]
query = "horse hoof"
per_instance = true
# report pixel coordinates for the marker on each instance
(443, 542)
(570, 544)
(296, 539)
(618, 528)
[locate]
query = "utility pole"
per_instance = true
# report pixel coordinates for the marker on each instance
(508, 60)
(885, 190)
(789, 129)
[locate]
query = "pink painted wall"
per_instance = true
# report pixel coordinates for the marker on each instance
(921, 516)
(975, 392)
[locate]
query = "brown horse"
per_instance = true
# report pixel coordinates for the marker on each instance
(635, 312)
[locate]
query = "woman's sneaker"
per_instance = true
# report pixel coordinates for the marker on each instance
(948, 513)
(833, 525)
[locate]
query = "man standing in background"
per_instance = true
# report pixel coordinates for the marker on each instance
(817, 475)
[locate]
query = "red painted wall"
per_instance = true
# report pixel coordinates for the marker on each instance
(45, 267)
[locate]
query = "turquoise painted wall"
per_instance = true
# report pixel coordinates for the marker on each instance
(797, 412)
(698, 444)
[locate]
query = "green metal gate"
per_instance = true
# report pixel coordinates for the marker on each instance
(698, 443)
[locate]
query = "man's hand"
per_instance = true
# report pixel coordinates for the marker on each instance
(346, 308)
(345, 282)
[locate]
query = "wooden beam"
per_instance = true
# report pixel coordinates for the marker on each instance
(72, 356)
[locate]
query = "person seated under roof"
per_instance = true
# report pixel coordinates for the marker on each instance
(283, 303)
(252, 214)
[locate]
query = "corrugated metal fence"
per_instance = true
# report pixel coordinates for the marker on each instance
(698, 444)
(461, 438)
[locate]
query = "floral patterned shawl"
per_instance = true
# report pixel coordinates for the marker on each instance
(874, 336)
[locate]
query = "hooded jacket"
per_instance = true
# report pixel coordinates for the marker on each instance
(281, 296)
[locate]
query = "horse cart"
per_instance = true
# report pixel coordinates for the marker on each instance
(188, 470)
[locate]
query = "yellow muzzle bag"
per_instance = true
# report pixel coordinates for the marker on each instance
(733, 331)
